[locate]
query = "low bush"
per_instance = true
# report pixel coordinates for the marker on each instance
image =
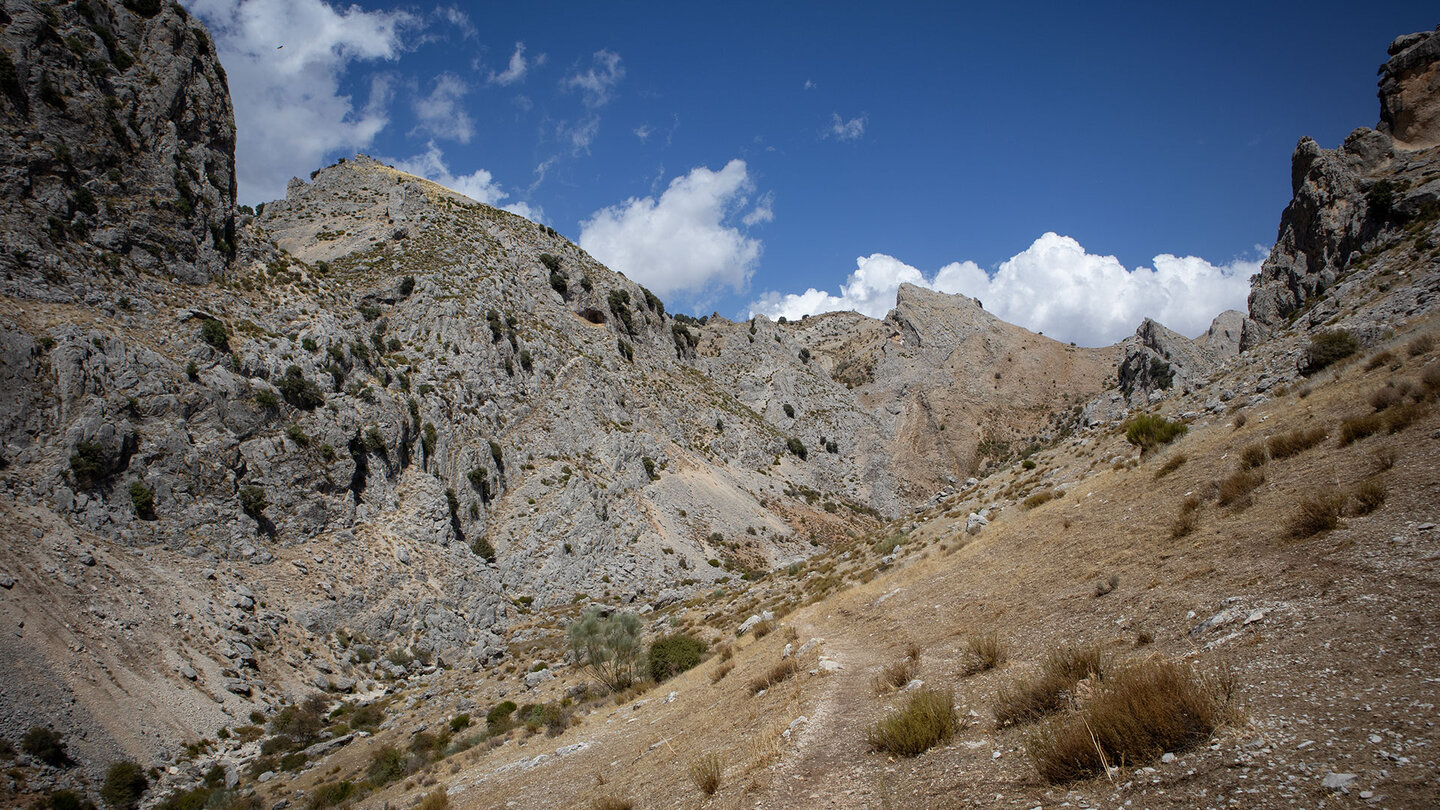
(1188, 519)
(252, 500)
(1315, 514)
(299, 391)
(1403, 416)
(705, 773)
(1149, 431)
(1328, 348)
(1253, 456)
(436, 799)
(90, 465)
(1031, 698)
(1355, 428)
(927, 719)
(142, 498)
(125, 783)
(387, 763)
(1171, 465)
(1238, 488)
(1367, 496)
(672, 655)
(331, 794)
(213, 332)
(1386, 396)
(46, 745)
(983, 652)
(1420, 345)
(1040, 498)
(1139, 713)
(896, 675)
(1293, 443)
(498, 720)
(776, 674)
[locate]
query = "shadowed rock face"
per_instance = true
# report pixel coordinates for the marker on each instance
(1410, 91)
(116, 135)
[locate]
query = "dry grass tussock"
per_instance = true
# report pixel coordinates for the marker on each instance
(1237, 489)
(1293, 443)
(435, 800)
(612, 803)
(1420, 345)
(896, 675)
(1040, 498)
(1031, 698)
(928, 718)
(1316, 513)
(1189, 518)
(777, 673)
(705, 773)
(1171, 465)
(1140, 712)
(1367, 496)
(983, 652)
(1253, 456)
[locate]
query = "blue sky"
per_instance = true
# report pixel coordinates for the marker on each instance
(1076, 167)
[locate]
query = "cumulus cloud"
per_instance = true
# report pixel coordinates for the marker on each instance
(597, 85)
(479, 185)
(842, 130)
(684, 242)
(1054, 286)
(441, 113)
(288, 105)
(515, 71)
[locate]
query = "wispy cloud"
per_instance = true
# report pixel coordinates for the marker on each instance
(442, 112)
(643, 132)
(513, 72)
(842, 130)
(597, 84)
(809, 85)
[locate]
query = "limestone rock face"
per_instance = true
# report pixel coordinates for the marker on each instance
(1410, 91)
(117, 138)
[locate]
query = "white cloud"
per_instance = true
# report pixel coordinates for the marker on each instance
(842, 130)
(458, 20)
(683, 242)
(764, 210)
(1054, 286)
(515, 71)
(579, 135)
(597, 85)
(479, 185)
(643, 132)
(289, 108)
(441, 113)
(809, 85)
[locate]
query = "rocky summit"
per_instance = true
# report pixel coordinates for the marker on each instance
(376, 434)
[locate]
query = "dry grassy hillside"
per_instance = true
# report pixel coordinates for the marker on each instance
(1318, 643)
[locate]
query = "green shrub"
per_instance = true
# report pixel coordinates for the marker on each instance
(672, 655)
(482, 548)
(252, 500)
(789, 410)
(368, 311)
(65, 800)
(90, 465)
(297, 435)
(387, 763)
(1149, 431)
(460, 722)
(299, 391)
(796, 448)
(649, 464)
(607, 646)
(1327, 348)
(331, 794)
(143, 499)
(266, 399)
(407, 286)
(192, 371)
(928, 718)
(213, 333)
(46, 745)
(498, 720)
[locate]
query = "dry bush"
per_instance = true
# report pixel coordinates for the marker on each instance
(777, 673)
(1420, 345)
(1403, 416)
(721, 671)
(705, 773)
(927, 718)
(1040, 498)
(726, 651)
(1355, 428)
(1379, 359)
(1254, 456)
(982, 653)
(1240, 419)
(1236, 489)
(1188, 520)
(434, 800)
(1171, 465)
(1367, 496)
(612, 803)
(1141, 712)
(1315, 514)
(1384, 458)
(1386, 396)
(762, 629)
(1034, 697)
(896, 675)
(1294, 443)
(1430, 377)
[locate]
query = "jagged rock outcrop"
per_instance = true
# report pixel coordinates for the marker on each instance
(117, 143)
(1410, 91)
